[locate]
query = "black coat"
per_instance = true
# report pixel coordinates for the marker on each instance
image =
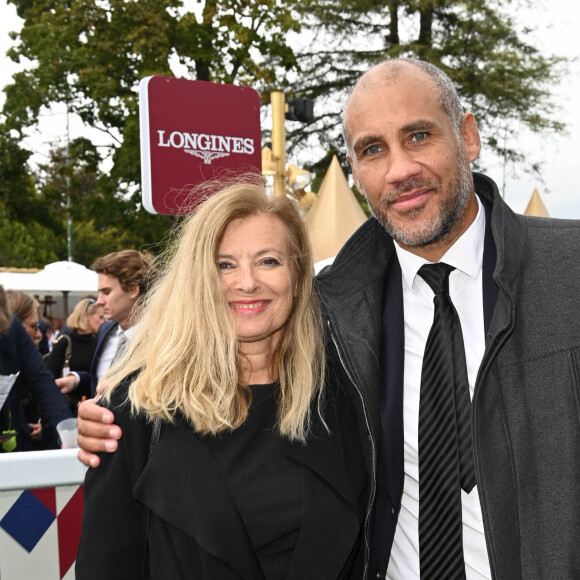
(196, 531)
(19, 354)
(526, 403)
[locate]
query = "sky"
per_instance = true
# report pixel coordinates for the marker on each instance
(556, 33)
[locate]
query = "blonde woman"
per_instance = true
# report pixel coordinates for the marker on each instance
(73, 352)
(258, 472)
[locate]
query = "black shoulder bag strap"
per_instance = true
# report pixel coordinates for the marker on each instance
(147, 513)
(68, 352)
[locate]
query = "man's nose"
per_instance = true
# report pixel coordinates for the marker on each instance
(402, 165)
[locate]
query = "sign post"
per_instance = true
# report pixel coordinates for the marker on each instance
(193, 131)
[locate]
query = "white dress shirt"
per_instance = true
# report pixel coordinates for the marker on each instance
(110, 348)
(465, 289)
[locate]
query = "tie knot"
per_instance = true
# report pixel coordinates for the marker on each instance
(437, 276)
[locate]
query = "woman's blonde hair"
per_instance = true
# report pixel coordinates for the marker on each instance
(77, 319)
(186, 349)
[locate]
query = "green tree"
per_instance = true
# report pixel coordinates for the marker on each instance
(501, 76)
(104, 219)
(17, 191)
(25, 245)
(91, 55)
(26, 222)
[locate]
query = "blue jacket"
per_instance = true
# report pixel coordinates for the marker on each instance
(104, 331)
(19, 354)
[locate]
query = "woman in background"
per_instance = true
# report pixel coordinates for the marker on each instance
(83, 324)
(26, 308)
(20, 358)
(258, 472)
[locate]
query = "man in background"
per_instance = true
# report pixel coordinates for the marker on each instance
(124, 278)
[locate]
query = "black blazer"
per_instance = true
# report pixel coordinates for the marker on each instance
(91, 377)
(196, 531)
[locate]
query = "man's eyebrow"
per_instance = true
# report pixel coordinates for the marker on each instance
(364, 142)
(412, 127)
(418, 125)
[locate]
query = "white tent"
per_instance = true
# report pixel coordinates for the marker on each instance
(68, 278)
(65, 277)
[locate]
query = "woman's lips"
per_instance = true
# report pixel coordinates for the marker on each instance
(249, 307)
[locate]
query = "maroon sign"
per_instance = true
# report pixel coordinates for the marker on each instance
(192, 131)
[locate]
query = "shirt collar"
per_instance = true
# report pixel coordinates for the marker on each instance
(466, 254)
(129, 333)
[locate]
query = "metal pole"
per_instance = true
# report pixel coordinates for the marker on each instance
(69, 230)
(279, 140)
(504, 160)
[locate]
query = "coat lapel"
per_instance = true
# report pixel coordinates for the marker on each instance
(322, 457)
(330, 508)
(102, 335)
(392, 359)
(489, 260)
(192, 496)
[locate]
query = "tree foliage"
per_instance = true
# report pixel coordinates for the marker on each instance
(26, 226)
(501, 76)
(91, 55)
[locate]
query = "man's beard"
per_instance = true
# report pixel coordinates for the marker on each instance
(452, 208)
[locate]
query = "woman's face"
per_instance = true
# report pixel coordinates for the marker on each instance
(258, 278)
(30, 323)
(95, 320)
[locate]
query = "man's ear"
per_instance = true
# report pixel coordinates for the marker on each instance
(470, 137)
(134, 291)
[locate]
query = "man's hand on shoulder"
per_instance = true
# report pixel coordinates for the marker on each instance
(97, 433)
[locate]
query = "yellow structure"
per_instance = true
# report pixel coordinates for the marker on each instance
(334, 216)
(536, 206)
(279, 141)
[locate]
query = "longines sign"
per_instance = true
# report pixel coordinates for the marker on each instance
(192, 131)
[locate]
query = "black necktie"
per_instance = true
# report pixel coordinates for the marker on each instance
(445, 451)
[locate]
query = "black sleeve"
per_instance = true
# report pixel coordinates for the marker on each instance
(84, 385)
(40, 382)
(113, 538)
(55, 360)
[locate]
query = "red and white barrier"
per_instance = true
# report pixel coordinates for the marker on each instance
(41, 509)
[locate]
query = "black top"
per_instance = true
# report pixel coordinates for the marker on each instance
(265, 483)
(207, 506)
